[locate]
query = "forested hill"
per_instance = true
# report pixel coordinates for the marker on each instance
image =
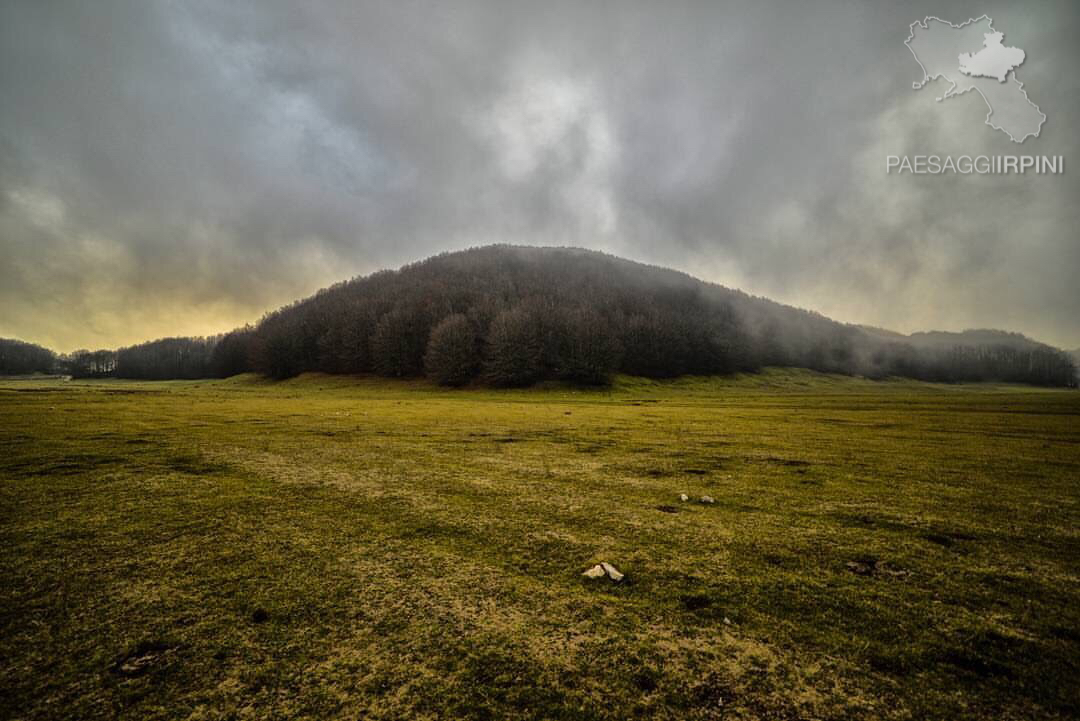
(514, 315)
(510, 316)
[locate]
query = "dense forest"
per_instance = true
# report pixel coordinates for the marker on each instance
(165, 359)
(19, 358)
(512, 316)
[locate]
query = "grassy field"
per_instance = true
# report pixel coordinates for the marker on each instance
(333, 547)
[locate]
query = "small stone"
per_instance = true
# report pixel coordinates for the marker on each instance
(684, 497)
(142, 659)
(884, 568)
(612, 572)
(727, 621)
(596, 571)
(859, 569)
(707, 499)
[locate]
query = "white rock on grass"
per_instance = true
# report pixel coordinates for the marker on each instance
(612, 572)
(596, 571)
(707, 499)
(604, 569)
(684, 497)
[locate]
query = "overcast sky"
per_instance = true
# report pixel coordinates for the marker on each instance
(175, 168)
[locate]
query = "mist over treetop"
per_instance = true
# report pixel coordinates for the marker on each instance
(513, 315)
(178, 168)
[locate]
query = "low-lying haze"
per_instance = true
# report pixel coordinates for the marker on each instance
(179, 168)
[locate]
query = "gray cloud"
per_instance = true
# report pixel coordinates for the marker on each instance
(182, 167)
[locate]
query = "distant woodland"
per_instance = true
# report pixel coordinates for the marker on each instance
(513, 316)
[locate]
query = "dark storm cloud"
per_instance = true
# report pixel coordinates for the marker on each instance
(181, 167)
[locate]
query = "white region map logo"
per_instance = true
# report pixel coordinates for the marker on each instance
(973, 56)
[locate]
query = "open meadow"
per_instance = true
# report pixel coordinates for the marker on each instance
(360, 548)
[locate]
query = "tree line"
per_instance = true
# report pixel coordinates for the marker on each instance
(165, 359)
(513, 316)
(20, 358)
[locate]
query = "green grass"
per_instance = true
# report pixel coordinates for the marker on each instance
(341, 547)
